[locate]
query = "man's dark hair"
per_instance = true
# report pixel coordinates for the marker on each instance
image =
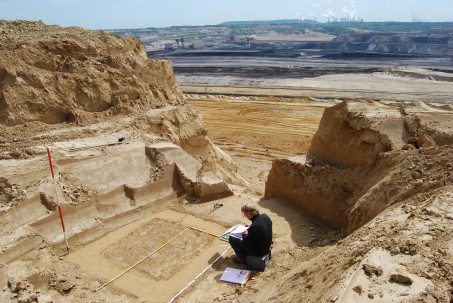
(249, 208)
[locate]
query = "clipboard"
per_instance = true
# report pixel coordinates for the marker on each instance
(236, 276)
(235, 231)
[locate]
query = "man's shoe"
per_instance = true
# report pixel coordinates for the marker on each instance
(238, 260)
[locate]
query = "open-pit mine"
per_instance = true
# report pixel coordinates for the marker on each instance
(117, 177)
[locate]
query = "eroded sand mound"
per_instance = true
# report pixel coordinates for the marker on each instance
(53, 74)
(362, 159)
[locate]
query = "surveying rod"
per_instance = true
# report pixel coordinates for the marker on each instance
(58, 200)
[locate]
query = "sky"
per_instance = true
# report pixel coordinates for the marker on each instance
(126, 14)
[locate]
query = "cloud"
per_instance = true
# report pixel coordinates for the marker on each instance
(351, 13)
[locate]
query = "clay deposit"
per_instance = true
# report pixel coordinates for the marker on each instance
(359, 191)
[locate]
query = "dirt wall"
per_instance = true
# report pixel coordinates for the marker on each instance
(322, 191)
(361, 161)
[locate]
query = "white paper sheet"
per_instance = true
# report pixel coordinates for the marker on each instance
(237, 276)
(235, 231)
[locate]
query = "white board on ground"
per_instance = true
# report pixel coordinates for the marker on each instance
(237, 276)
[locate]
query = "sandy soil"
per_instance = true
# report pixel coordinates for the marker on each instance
(244, 126)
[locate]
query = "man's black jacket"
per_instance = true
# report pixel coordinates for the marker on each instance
(259, 237)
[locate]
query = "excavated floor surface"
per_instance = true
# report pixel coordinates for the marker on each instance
(181, 252)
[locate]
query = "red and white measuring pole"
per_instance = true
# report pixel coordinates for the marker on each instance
(58, 200)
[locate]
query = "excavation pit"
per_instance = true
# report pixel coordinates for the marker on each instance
(182, 251)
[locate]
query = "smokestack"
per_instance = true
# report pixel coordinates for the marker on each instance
(331, 16)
